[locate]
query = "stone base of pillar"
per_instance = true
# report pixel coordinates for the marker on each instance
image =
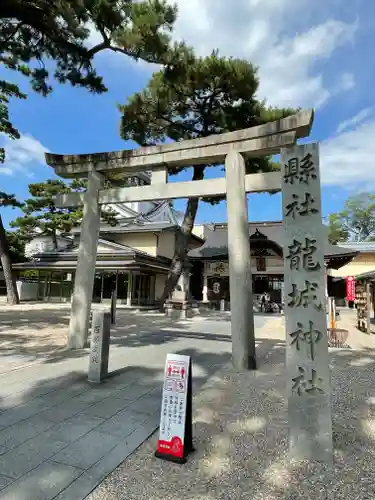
(181, 309)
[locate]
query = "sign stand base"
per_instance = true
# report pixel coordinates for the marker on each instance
(171, 458)
(188, 428)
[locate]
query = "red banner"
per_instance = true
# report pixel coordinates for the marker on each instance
(350, 288)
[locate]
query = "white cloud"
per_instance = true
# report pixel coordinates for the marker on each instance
(274, 35)
(347, 160)
(21, 154)
(347, 81)
(354, 121)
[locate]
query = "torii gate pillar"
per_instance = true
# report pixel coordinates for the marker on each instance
(240, 280)
(85, 273)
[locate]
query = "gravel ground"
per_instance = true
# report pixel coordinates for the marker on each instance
(240, 433)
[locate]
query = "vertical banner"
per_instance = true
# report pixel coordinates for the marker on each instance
(350, 288)
(176, 434)
(307, 362)
(363, 302)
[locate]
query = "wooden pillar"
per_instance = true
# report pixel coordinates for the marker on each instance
(61, 286)
(101, 287)
(38, 285)
(139, 289)
(129, 294)
(152, 289)
(45, 287)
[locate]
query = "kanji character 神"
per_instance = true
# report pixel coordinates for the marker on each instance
(310, 337)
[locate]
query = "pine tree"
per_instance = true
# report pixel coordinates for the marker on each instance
(204, 96)
(8, 200)
(33, 32)
(355, 222)
(42, 217)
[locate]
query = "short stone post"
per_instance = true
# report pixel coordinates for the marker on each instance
(86, 261)
(307, 362)
(184, 307)
(99, 349)
(240, 280)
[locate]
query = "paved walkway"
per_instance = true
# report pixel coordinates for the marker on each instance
(60, 436)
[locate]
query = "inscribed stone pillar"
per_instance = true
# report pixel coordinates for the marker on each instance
(240, 280)
(308, 373)
(85, 274)
(99, 349)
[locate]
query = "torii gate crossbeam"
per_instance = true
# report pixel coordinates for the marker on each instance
(230, 148)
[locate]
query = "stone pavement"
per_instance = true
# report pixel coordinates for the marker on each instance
(60, 436)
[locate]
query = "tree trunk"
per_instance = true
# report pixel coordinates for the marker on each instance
(182, 241)
(6, 262)
(54, 240)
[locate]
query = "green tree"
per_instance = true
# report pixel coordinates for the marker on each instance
(16, 244)
(33, 32)
(204, 96)
(356, 221)
(336, 231)
(8, 200)
(42, 217)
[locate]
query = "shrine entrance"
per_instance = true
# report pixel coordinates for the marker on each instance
(230, 149)
(308, 386)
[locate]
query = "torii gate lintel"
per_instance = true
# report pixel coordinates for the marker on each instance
(229, 148)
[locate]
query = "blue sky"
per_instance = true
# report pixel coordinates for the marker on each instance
(311, 56)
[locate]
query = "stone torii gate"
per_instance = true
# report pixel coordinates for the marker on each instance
(229, 148)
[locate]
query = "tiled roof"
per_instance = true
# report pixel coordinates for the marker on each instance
(133, 227)
(216, 245)
(359, 246)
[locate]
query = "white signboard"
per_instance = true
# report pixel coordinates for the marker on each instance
(173, 409)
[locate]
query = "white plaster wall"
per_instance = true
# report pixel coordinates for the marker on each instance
(41, 244)
(166, 244)
(159, 285)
